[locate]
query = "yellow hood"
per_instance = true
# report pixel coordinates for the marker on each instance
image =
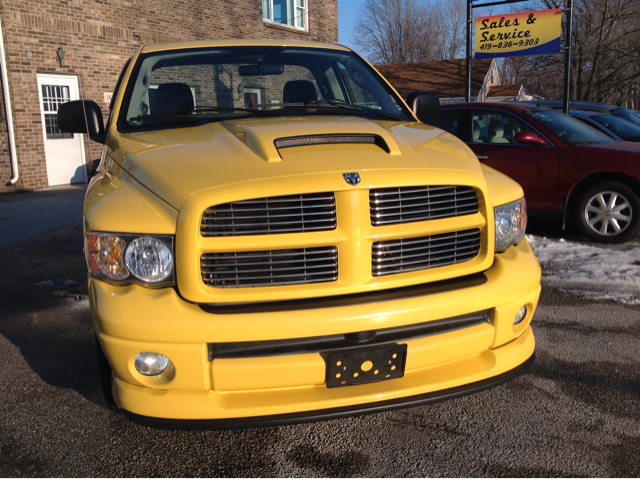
(177, 163)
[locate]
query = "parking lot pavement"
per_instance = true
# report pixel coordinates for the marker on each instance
(574, 414)
(26, 215)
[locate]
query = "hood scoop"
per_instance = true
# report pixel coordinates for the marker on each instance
(266, 137)
(331, 139)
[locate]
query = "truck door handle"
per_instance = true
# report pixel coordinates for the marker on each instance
(482, 157)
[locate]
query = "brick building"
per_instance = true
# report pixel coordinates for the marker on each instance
(97, 37)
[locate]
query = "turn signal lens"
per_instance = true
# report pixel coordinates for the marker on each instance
(150, 364)
(105, 254)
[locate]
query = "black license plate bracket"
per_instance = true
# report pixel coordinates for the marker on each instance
(350, 367)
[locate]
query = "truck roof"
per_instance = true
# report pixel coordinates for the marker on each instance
(237, 43)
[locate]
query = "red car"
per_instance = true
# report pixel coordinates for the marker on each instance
(562, 164)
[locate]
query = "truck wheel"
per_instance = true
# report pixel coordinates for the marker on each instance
(105, 372)
(608, 212)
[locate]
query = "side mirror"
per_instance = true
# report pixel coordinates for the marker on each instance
(71, 119)
(424, 104)
(530, 138)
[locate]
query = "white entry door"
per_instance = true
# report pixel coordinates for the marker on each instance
(64, 151)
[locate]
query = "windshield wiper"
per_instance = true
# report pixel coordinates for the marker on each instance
(204, 109)
(338, 105)
(186, 112)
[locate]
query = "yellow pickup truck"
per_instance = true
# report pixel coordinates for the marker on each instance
(274, 236)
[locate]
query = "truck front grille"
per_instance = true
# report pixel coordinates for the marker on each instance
(270, 268)
(275, 215)
(424, 252)
(420, 203)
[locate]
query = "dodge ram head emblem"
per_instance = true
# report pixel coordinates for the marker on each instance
(351, 178)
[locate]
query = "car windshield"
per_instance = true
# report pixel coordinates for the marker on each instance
(626, 115)
(177, 88)
(625, 130)
(568, 130)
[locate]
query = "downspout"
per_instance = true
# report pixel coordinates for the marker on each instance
(7, 105)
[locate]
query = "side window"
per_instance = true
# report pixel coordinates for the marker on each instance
(492, 126)
(354, 81)
(449, 120)
(331, 86)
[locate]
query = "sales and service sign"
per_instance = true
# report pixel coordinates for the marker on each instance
(515, 34)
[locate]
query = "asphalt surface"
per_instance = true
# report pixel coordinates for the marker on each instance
(29, 214)
(575, 413)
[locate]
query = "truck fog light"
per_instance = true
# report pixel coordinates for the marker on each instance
(520, 315)
(151, 364)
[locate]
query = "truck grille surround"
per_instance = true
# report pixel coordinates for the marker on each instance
(317, 212)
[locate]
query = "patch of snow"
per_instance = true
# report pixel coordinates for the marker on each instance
(597, 271)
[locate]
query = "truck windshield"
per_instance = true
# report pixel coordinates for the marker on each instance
(178, 88)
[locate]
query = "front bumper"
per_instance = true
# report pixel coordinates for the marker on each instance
(336, 413)
(279, 389)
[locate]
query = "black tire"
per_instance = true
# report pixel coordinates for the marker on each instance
(608, 212)
(105, 372)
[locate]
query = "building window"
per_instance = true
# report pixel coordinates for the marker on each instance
(286, 12)
(252, 98)
(52, 97)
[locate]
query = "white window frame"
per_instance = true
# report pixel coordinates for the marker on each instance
(300, 15)
(257, 92)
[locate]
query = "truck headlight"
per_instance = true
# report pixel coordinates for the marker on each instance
(149, 259)
(511, 223)
(125, 258)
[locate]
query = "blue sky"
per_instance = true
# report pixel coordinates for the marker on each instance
(348, 11)
(347, 14)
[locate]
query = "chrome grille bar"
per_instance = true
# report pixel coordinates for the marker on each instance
(274, 268)
(425, 252)
(420, 203)
(275, 215)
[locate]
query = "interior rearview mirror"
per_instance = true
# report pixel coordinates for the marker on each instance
(261, 69)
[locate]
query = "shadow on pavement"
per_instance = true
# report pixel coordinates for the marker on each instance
(45, 310)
